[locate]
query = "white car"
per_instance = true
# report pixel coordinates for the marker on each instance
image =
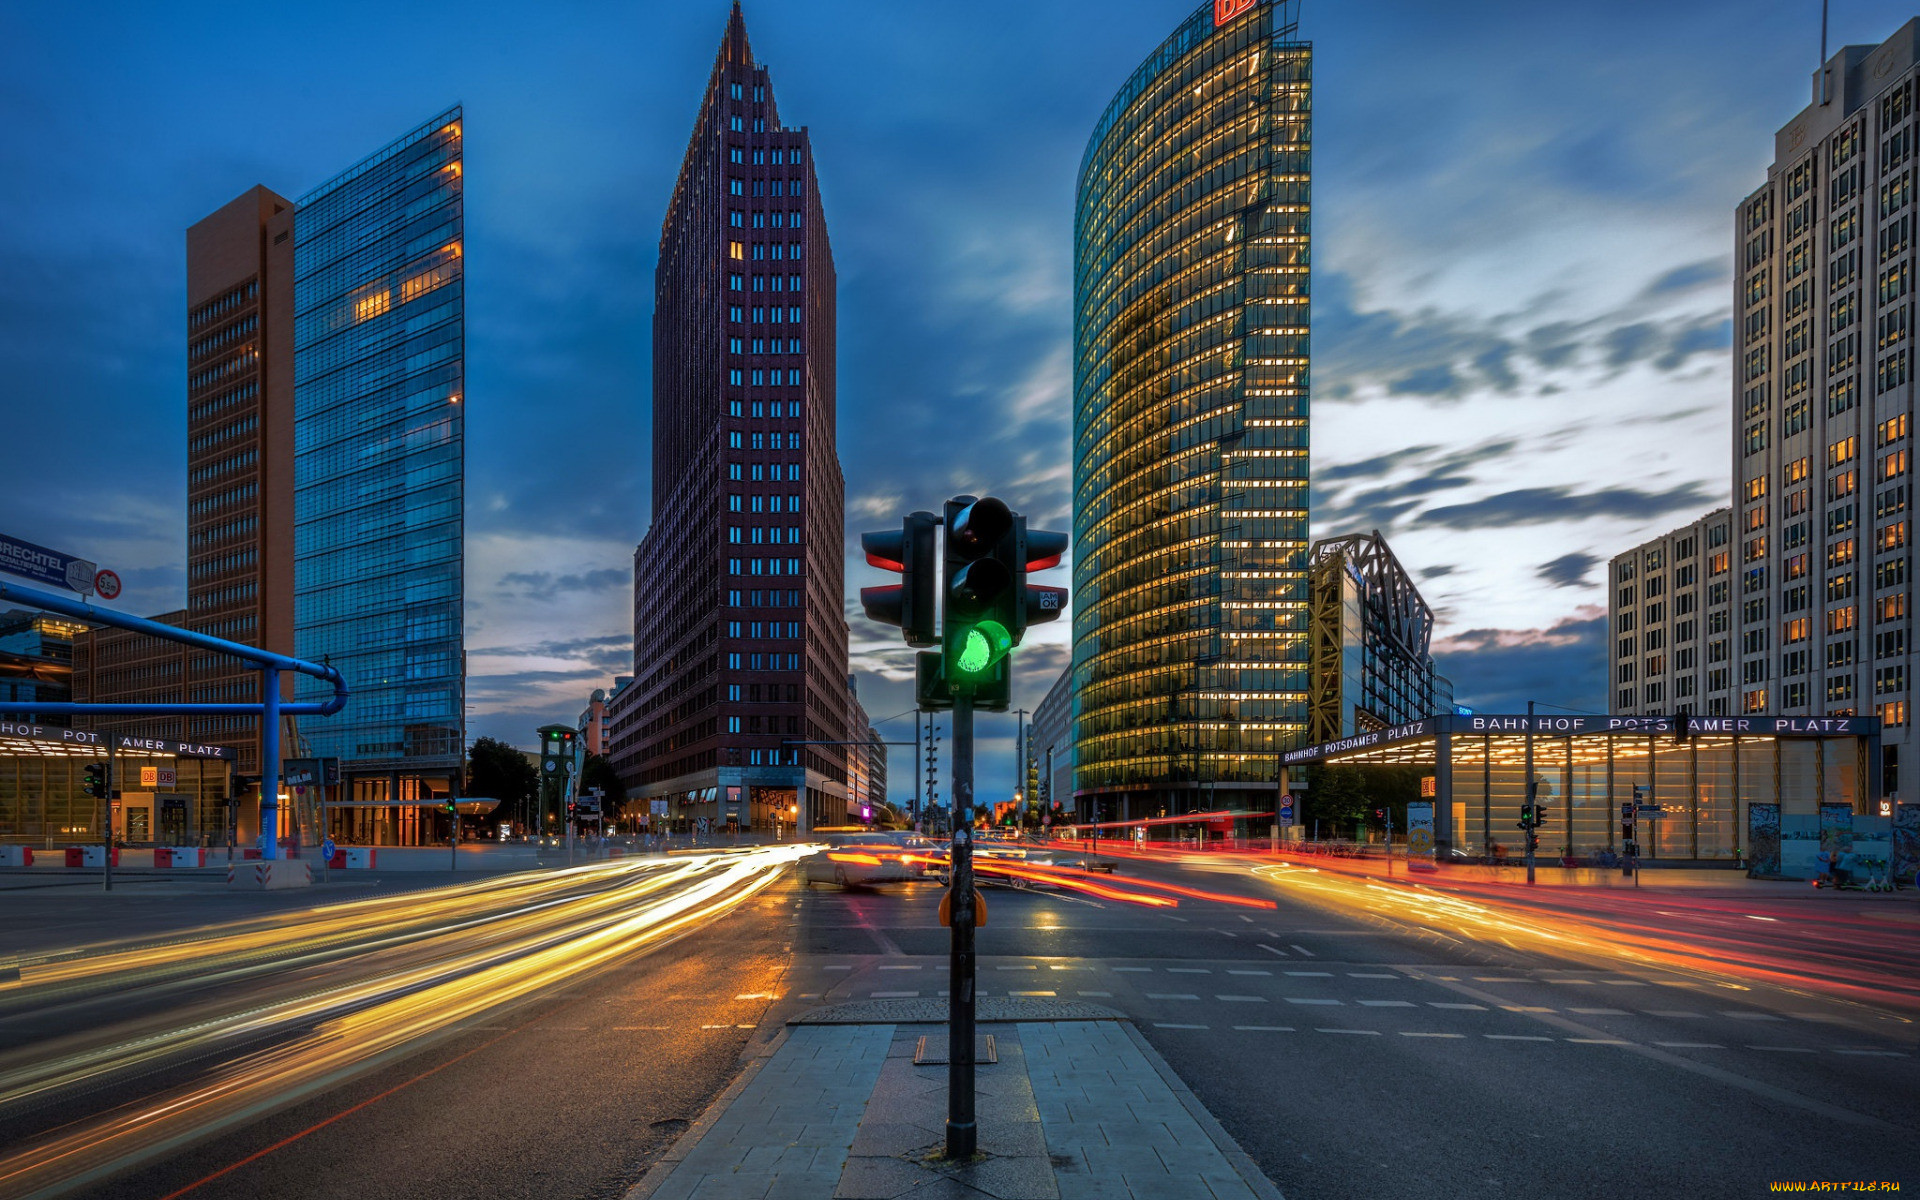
(860, 860)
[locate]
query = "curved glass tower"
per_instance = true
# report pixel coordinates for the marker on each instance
(1190, 421)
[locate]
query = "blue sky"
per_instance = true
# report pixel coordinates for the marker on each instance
(1521, 278)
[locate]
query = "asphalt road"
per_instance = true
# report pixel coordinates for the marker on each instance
(1357, 1039)
(1359, 1044)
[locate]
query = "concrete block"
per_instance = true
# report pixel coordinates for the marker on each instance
(269, 876)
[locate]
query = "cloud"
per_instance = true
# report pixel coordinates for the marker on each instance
(544, 585)
(1499, 670)
(1714, 271)
(1437, 571)
(1569, 570)
(1547, 505)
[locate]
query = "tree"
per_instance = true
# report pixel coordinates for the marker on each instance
(497, 771)
(599, 773)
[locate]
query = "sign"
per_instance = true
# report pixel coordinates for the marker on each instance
(1429, 785)
(157, 777)
(54, 735)
(1648, 810)
(1226, 10)
(50, 566)
(1286, 812)
(326, 850)
(659, 807)
(1626, 810)
(107, 584)
(1420, 835)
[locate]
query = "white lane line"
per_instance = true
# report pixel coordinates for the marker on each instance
(1268, 974)
(1183, 921)
(1691, 1045)
(1242, 999)
(1598, 1042)
(1171, 996)
(841, 967)
(1407, 1033)
(1004, 967)
(1309, 1000)
(1586, 982)
(1495, 979)
(1461, 1007)
(1751, 1016)
(911, 967)
(1514, 1037)
(1301, 949)
(1107, 995)
(1264, 1028)
(1677, 1014)
(1060, 967)
(1311, 974)
(1033, 993)
(1525, 1008)
(1599, 1012)
(1370, 975)
(1361, 1032)
(1245, 917)
(758, 996)
(1785, 1049)
(1188, 971)
(1624, 982)
(1388, 1003)
(1167, 1025)
(1271, 950)
(662, 1029)
(1874, 1053)
(1133, 970)
(894, 995)
(1228, 933)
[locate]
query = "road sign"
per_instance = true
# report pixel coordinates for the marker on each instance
(1648, 810)
(107, 584)
(50, 566)
(1286, 813)
(1626, 810)
(659, 807)
(326, 850)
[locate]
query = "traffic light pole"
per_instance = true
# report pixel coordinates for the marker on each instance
(106, 807)
(1532, 796)
(963, 1132)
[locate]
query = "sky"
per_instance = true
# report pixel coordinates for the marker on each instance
(1521, 280)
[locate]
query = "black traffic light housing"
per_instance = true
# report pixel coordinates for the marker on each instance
(912, 604)
(979, 626)
(93, 779)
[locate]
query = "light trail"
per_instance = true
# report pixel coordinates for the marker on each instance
(401, 991)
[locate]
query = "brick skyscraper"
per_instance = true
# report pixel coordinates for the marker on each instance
(740, 637)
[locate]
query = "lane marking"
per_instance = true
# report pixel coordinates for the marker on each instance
(1004, 967)
(1188, 971)
(1751, 1016)
(1033, 993)
(1309, 1000)
(1271, 950)
(1361, 1032)
(1301, 949)
(1514, 1037)
(1371, 975)
(1264, 1028)
(1311, 974)
(1454, 1004)
(1874, 1053)
(1599, 1042)
(1108, 995)
(1409, 1033)
(1388, 1003)
(1242, 999)
(1268, 974)
(1599, 1012)
(1525, 1008)
(1691, 1045)
(1133, 970)
(1495, 979)
(1167, 1025)
(894, 995)
(1171, 996)
(900, 967)
(1785, 1049)
(1677, 1014)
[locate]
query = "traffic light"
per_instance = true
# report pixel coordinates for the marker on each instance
(1380, 815)
(1527, 816)
(93, 780)
(450, 808)
(977, 625)
(912, 603)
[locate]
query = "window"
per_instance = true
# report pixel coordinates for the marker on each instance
(1842, 451)
(1840, 620)
(1893, 465)
(736, 250)
(1840, 553)
(1754, 701)
(1795, 630)
(1797, 470)
(1842, 484)
(1893, 712)
(1893, 537)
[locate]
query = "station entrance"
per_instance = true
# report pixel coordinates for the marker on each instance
(1701, 788)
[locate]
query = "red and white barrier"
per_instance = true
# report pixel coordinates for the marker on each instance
(16, 856)
(175, 857)
(91, 856)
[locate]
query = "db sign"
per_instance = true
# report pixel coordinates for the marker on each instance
(157, 777)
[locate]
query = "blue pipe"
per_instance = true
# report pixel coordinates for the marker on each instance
(269, 710)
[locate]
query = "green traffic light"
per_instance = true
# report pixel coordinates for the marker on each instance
(983, 645)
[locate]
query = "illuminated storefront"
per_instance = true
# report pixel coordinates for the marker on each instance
(1191, 237)
(1718, 782)
(170, 793)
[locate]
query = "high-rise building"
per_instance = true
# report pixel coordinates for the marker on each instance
(240, 265)
(1372, 642)
(1823, 401)
(740, 636)
(1191, 235)
(379, 466)
(1051, 745)
(1670, 618)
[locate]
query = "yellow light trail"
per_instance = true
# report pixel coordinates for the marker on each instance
(450, 966)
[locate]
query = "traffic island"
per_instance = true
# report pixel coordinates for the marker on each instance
(269, 876)
(1074, 1106)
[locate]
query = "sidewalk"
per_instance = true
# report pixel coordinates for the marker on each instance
(1073, 1109)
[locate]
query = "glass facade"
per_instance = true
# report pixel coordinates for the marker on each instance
(379, 354)
(1190, 416)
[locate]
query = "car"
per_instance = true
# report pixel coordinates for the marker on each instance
(861, 860)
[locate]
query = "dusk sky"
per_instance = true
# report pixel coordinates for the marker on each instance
(1521, 274)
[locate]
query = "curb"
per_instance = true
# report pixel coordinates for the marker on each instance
(1237, 1158)
(704, 1123)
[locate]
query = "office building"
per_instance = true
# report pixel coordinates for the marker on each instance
(740, 637)
(1823, 403)
(1670, 617)
(36, 658)
(1191, 233)
(378, 397)
(1050, 744)
(239, 328)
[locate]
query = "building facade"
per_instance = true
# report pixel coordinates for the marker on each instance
(1051, 744)
(740, 635)
(378, 397)
(1824, 404)
(1191, 229)
(1372, 642)
(36, 657)
(1670, 621)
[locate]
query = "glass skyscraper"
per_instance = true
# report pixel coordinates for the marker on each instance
(1190, 420)
(379, 350)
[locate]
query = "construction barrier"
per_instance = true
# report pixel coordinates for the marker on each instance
(180, 856)
(269, 876)
(90, 856)
(16, 856)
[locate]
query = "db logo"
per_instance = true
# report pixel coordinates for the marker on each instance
(1227, 10)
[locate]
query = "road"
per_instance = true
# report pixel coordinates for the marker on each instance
(549, 1035)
